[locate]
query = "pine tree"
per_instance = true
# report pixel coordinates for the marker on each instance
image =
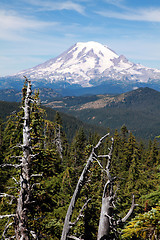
(133, 174)
(153, 154)
(78, 150)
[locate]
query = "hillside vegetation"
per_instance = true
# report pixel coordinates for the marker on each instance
(70, 123)
(139, 110)
(55, 165)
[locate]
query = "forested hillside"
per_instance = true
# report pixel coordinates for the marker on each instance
(15, 95)
(139, 110)
(40, 169)
(70, 123)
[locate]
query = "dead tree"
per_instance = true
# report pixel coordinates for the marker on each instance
(23, 202)
(67, 223)
(20, 223)
(107, 221)
(58, 141)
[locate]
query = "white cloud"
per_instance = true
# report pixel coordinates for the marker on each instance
(147, 14)
(55, 5)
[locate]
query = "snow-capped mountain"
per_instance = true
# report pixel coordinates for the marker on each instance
(86, 68)
(89, 64)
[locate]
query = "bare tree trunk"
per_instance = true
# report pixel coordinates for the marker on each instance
(80, 184)
(106, 214)
(21, 219)
(107, 221)
(107, 202)
(58, 141)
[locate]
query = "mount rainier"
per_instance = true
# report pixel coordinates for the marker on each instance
(87, 65)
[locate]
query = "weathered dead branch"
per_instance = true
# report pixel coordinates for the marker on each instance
(80, 184)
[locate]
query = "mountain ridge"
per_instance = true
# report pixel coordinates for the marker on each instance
(139, 110)
(105, 100)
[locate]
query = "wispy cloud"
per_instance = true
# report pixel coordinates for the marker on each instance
(145, 14)
(56, 5)
(13, 26)
(10, 20)
(117, 3)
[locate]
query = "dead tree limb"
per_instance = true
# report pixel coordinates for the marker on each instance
(7, 216)
(80, 214)
(6, 229)
(2, 195)
(123, 220)
(74, 238)
(78, 188)
(11, 165)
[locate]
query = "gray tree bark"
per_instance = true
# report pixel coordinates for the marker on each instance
(23, 201)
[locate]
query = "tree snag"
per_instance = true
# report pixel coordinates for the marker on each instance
(107, 202)
(23, 201)
(107, 221)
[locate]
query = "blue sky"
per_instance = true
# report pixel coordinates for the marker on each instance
(33, 31)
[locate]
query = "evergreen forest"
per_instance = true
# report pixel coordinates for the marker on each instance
(40, 168)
